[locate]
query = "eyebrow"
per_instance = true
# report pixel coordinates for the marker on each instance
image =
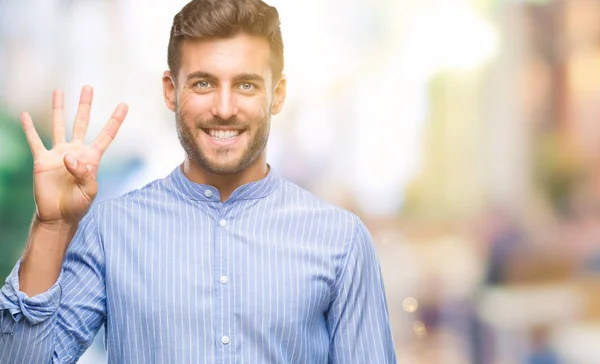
(201, 74)
(238, 78)
(249, 77)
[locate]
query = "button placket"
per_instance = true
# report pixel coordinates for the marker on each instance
(222, 277)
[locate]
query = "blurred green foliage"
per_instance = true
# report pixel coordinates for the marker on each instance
(16, 191)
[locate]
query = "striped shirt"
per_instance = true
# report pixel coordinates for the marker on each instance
(272, 275)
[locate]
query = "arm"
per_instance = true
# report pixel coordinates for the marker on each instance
(53, 302)
(64, 186)
(58, 325)
(44, 254)
(358, 320)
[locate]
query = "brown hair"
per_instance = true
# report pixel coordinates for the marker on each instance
(224, 19)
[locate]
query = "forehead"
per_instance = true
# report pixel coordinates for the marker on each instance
(225, 57)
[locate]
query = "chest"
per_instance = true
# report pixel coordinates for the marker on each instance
(203, 276)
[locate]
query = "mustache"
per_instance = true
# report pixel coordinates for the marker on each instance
(215, 122)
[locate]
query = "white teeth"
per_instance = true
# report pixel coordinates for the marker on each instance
(224, 134)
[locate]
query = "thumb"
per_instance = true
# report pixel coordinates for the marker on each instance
(79, 170)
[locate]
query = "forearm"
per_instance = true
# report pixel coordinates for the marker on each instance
(44, 255)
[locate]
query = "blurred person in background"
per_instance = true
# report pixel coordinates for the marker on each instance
(542, 351)
(222, 260)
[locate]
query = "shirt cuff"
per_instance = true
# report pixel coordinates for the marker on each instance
(35, 309)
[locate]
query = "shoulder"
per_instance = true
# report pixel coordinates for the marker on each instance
(296, 199)
(157, 192)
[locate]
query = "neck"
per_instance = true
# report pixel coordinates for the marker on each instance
(225, 183)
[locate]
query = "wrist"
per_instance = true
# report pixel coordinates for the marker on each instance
(61, 226)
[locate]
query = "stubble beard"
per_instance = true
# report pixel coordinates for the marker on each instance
(224, 163)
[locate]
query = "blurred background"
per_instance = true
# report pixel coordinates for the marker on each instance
(466, 134)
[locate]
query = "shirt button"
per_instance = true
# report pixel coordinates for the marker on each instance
(224, 279)
(225, 340)
(223, 223)
(208, 193)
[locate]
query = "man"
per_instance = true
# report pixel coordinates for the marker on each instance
(222, 261)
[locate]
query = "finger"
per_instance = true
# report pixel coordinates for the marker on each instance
(82, 118)
(81, 173)
(35, 143)
(110, 130)
(58, 117)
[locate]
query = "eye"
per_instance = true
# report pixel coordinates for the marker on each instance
(202, 84)
(246, 86)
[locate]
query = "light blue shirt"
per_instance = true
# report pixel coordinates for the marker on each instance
(272, 275)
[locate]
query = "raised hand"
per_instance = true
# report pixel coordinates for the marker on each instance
(65, 177)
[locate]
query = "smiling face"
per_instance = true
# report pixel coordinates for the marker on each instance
(223, 97)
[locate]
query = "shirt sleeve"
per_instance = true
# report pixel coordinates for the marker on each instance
(57, 326)
(358, 319)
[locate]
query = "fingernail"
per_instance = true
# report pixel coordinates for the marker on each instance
(71, 161)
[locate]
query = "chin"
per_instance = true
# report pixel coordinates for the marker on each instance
(224, 171)
(223, 168)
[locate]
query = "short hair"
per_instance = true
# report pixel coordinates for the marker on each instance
(201, 19)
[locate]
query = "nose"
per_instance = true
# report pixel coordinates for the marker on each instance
(224, 104)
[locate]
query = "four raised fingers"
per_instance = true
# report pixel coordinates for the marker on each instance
(109, 132)
(35, 143)
(82, 118)
(107, 135)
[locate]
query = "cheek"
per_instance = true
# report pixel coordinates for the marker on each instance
(253, 107)
(194, 104)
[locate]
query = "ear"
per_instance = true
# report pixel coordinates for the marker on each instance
(279, 96)
(169, 91)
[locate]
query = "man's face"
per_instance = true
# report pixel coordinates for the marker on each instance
(223, 101)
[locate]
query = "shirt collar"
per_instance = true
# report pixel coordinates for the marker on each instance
(203, 192)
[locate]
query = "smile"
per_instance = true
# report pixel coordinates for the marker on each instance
(223, 135)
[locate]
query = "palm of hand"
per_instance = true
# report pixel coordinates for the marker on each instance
(65, 176)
